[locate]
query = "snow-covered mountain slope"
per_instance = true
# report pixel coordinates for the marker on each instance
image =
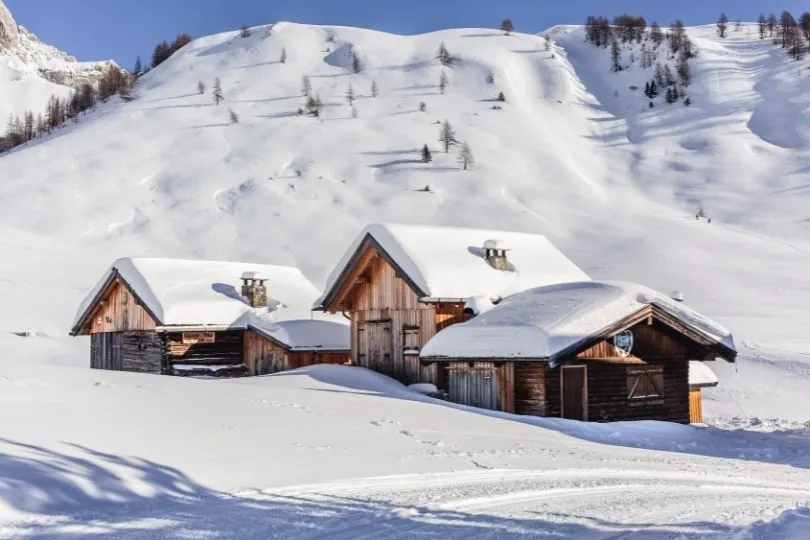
(31, 71)
(573, 154)
(343, 453)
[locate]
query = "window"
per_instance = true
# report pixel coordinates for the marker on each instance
(411, 340)
(645, 383)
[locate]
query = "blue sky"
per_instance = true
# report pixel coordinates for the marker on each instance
(124, 29)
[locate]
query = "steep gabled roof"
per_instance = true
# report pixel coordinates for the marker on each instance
(448, 262)
(194, 293)
(560, 320)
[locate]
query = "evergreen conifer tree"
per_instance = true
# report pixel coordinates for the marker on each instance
(427, 157)
(465, 157)
(447, 136)
(615, 56)
(217, 92)
(507, 26)
(722, 25)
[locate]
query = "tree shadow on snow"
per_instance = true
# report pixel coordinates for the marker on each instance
(200, 126)
(395, 162)
(84, 493)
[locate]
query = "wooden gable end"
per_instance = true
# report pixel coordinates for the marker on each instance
(651, 339)
(363, 269)
(379, 287)
(117, 310)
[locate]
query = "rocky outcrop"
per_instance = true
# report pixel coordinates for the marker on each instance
(21, 50)
(9, 34)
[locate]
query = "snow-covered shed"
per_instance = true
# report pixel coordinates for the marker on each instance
(185, 317)
(403, 283)
(583, 350)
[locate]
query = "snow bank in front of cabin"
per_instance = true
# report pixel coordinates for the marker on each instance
(545, 321)
(132, 456)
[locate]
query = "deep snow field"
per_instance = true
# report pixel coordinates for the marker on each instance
(574, 154)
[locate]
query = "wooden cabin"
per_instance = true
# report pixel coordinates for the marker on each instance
(700, 376)
(598, 351)
(401, 284)
(226, 319)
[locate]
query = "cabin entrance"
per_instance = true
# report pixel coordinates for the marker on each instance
(267, 364)
(375, 346)
(476, 385)
(574, 384)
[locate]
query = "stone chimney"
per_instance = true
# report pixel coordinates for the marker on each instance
(254, 290)
(495, 254)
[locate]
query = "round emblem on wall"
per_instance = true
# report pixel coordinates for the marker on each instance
(623, 343)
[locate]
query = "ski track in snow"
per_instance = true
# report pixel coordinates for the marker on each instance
(575, 503)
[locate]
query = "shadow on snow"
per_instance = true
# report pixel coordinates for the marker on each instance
(84, 493)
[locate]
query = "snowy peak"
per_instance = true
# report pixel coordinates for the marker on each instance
(31, 71)
(9, 34)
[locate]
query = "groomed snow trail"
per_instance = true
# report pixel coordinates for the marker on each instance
(503, 504)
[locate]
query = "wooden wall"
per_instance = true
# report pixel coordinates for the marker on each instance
(530, 388)
(390, 326)
(660, 354)
(119, 311)
(227, 349)
(127, 351)
(263, 356)
(649, 341)
(695, 406)
(608, 393)
(487, 385)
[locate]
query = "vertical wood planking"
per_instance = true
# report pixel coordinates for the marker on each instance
(119, 311)
(695, 406)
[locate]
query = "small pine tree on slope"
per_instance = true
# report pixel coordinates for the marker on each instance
(447, 136)
(217, 92)
(465, 157)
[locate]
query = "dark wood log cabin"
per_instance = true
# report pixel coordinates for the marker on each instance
(182, 317)
(584, 351)
(401, 284)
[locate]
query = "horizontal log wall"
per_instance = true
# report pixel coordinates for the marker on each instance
(142, 352)
(607, 393)
(119, 311)
(530, 388)
(226, 350)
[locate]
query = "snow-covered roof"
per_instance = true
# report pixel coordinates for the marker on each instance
(543, 322)
(195, 293)
(449, 263)
(701, 375)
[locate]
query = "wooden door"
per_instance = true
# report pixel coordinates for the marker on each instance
(105, 351)
(267, 364)
(477, 386)
(375, 346)
(574, 383)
